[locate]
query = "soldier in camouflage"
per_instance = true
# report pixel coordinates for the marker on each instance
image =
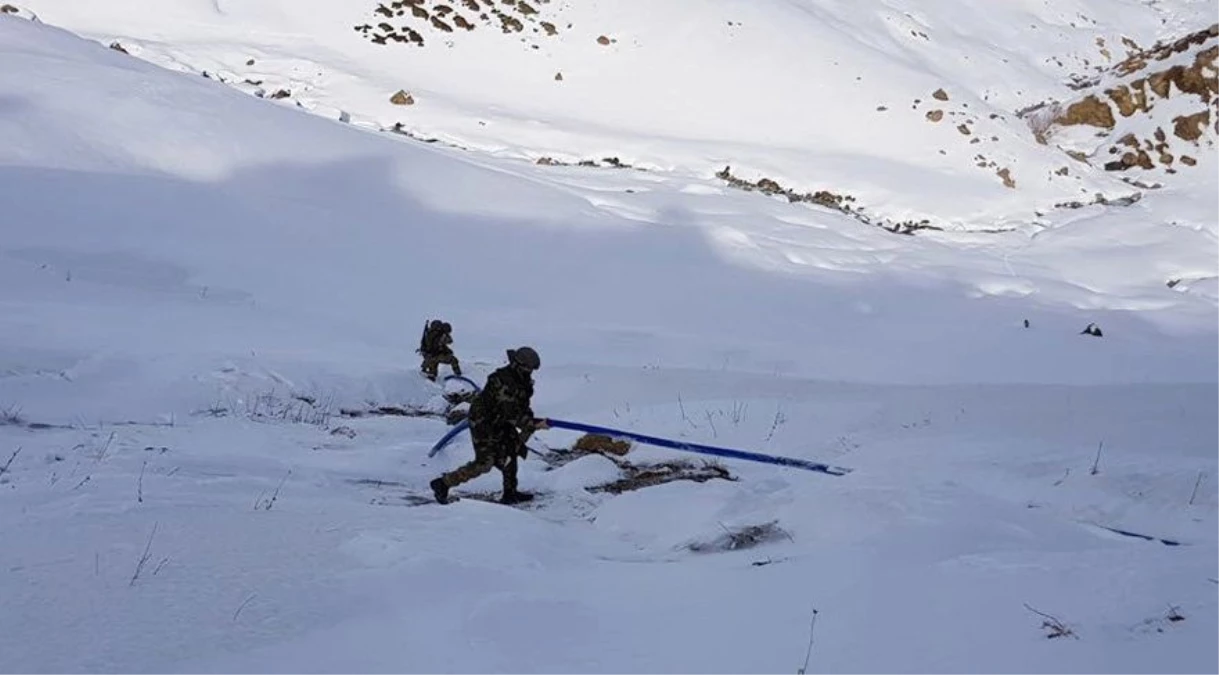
(501, 422)
(435, 349)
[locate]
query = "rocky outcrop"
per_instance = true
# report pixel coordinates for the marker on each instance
(407, 22)
(1137, 129)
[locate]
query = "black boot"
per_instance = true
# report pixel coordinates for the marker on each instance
(515, 497)
(511, 495)
(440, 490)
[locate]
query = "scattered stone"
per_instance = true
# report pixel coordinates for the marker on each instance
(940, 95)
(935, 115)
(599, 444)
(402, 98)
(1093, 330)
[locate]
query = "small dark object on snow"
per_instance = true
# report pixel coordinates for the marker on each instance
(650, 475)
(748, 536)
(1026, 323)
(1092, 330)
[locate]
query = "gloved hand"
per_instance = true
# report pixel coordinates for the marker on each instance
(540, 423)
(523, 452)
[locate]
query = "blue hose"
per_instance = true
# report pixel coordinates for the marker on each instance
(702, 449)
(666, 443)
(461, 378)
(444, 440)
(460, 426)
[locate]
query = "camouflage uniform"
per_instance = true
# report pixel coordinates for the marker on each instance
(434, 347)
(501, 422)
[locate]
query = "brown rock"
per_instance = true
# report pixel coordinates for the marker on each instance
(558, 77)
(1188, 161)
(935, 115)
(596, 443)
(602, 40)
(1189, 127)
(1125, 102)
(963, 129)
(1006, 175)
(940, 95)
(1091, 111)
(402, 98)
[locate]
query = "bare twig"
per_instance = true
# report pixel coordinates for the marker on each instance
(812, 626)
(1055, 627)
(105, 448)
(711, 422)
(275, 495)
(739, 410)
(139, 488)
(9, 463)
(1064, 477)
(682, 407)
(1096, 462)
(144, 558)
(778, 420)
(1197, 483)
(243, 604)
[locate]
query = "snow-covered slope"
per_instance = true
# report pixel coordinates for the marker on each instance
(195, 283)
(907, 107)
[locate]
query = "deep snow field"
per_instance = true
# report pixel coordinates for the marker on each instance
(195, 283)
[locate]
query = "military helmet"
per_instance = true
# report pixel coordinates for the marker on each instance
(525, 357)
(446, 326)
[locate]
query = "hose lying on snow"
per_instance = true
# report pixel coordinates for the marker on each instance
(665, 443)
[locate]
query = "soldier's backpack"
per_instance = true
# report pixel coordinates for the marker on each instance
(423, 340)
